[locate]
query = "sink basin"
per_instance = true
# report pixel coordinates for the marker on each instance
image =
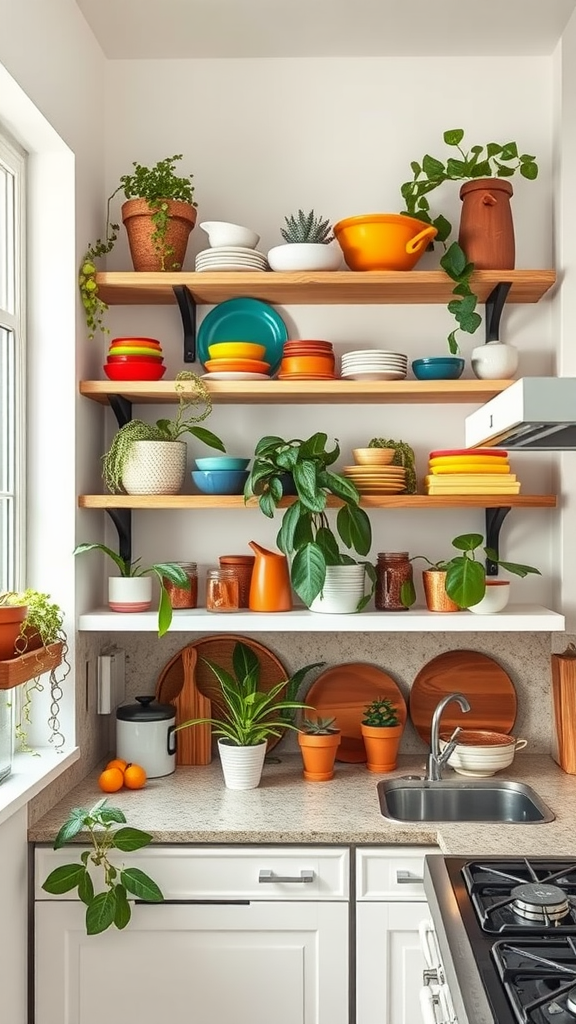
(477, 800)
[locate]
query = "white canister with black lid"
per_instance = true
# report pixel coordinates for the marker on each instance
(145, 735)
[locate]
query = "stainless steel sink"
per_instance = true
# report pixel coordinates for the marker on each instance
(474, 800)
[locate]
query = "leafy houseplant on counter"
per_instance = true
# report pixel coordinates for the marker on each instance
(486, 239)
(110, 907)
(307, 247)
(150, 458)
(381, 731)
(305, 534)
(318, 740)
(159, 215)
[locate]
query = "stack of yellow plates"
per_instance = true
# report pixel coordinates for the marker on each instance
(377, 479)
(470, 471)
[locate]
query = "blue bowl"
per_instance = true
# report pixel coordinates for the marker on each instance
(221, 462)
(438, 368)
(224, 481)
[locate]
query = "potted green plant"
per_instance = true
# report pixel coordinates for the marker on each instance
(381, 732)
(250, 716)
(131, 591)
(403, 456)
(307, 244)
(318, 739)
(486, 167)
(159, 214)
(305, 534)
(150, 458)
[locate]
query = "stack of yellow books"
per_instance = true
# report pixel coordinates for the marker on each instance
(470, 471)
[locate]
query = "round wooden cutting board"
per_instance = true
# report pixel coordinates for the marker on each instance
(482, 680)
(343, 691)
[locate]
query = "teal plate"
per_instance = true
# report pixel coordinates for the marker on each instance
(243, 320)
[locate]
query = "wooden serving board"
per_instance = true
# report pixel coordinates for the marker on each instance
(343, 691)
(488, 688)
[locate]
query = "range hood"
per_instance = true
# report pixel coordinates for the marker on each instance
(534, 413)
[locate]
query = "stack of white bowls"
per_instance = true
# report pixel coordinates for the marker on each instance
(343, 589)
(481, 752)
(232, 247)
(374, 364)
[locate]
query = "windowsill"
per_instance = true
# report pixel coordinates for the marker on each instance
(30, 775)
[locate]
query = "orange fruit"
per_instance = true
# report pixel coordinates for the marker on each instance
(134, 777)
(118, 763)
(111, 780)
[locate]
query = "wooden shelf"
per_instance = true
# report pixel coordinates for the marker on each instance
(340, 287)
(236, 501)
(320, 392)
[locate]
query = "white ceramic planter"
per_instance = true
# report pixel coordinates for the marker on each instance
(495, 599)
(242, 766)
(155, 467)
(304, 256)
(130, 593)
(494, 361)
(343, 589)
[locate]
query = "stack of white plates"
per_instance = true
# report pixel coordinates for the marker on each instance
(231, 258)
(374, 364)
(377, 479)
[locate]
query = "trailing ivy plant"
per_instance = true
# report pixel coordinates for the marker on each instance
(110, 907)
(495, 159)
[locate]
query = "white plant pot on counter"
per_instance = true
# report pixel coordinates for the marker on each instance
(242, 766)
(305, 256)
(130, 593)
(495, 599)
(155, 467)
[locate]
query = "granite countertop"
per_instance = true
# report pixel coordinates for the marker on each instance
(193, 806)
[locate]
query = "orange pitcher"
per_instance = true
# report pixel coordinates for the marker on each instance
(270, 589)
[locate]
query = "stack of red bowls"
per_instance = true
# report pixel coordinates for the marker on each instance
(307, 360)
(134, 359)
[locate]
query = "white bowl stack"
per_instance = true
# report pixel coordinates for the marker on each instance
(374, 364)
(232, 248)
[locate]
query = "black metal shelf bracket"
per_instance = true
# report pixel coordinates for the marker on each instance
(187, 305)
(122, 519)
(494, 306)
(122, 409)
(494, 519)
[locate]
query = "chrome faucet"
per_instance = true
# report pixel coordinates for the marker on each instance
(437, 758)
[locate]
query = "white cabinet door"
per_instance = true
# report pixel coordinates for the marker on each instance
(389, 962)
(250, 963)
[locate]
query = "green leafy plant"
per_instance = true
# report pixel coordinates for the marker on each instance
(131, 568)
(307, 227)
(319, 726)
(305, 534)
(495, 159)
(381, 713)
(194, 406)
(403, 456)
(250, 714)
(111, 906)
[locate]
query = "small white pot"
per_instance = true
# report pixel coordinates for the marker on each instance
(305, 256)
(495, 599)
(242, 766)
(343, 589)
(155, 467)
(129, 593)
(494, 361)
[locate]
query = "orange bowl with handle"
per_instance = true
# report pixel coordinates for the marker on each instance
(383, 241)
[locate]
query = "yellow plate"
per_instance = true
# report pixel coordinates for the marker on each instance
(455, 460)
(469, 467)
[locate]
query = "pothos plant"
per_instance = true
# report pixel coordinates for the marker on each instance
(305, 535)
(494, 159)
(111, 907)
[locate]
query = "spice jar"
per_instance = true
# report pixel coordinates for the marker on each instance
(393, 569)
(183, 597)
(222, 590)
(242, 565)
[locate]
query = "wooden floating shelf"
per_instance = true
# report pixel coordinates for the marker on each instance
(340, 287)
(320, 392)
(27, 666)
(236, 501)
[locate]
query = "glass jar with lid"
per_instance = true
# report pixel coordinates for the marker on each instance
(393, 569)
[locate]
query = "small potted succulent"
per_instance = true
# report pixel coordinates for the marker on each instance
(318, 740)
(381, 731)
(308, 245)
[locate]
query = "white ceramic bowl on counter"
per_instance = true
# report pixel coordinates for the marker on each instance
(481, 752)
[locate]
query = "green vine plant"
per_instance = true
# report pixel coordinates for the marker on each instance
(94, 307)
(495, 159)
(111, 907)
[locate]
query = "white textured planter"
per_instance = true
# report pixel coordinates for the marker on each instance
(130, 593)
(305, 256)
(494, 361)
(242, 766)
(495, 599)
(155, 467)
(343, 589)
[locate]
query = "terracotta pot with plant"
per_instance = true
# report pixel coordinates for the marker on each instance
(318, 739)
(13, 611)
(381, 731)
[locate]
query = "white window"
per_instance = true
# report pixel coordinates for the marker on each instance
(12, 364)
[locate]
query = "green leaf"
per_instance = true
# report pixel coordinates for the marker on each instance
(288, 458)
(85, 857)
(455, 168)
(267, 504)
(64, 878)
(275, 489)
(306, 484)
(529, 170)
(470, 322)
(128, 839)
(303, 534)
(244, 661)
(462, 307)
(492, 149)
(285, 538)
(100, 913)
(504, 171)
(123, 913)
(86, 889)
(423, 203)
(433, 168)
(207, 437)
(465, 581)
(143, 887)
(408, 594)
(467, 541)
(111, 814)
(120, 562)
(482, 170)
(453, 343)
(454, 260)
(518, 569)
(308, 572)
(353, 525)
(314, 446)
(454, 136)
(461, 289)
(164, 612)
(443, 227)
(415, 167)
(509, 151)
(71, 827)
(267, 443)
(326, 540)
(340, 486)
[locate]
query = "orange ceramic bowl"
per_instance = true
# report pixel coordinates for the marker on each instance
(307, 364)
(383, 241)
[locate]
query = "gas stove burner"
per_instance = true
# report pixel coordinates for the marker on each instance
(571, 1001)
(537, 901)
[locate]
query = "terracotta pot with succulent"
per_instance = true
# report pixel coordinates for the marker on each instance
(150, 458)
(460, 581)
(250, 716)
(381, 731)
(486, 239)
(305, 535)
(318, 739)
(308, 245)
(159, 214)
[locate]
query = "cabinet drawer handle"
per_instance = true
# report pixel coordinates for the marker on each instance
(407, 878)
(268, 876)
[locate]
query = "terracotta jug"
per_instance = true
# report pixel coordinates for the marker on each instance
(486, 226)
(270, 589)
